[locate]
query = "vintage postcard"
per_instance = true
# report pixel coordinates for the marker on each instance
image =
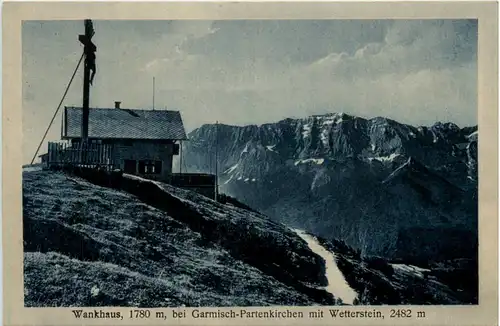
(250, 163)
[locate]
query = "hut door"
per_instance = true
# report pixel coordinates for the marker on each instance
(130, 166)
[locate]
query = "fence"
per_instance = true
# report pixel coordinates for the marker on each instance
(63, 155)
(192, 179)
(199, 182)
(79, 155)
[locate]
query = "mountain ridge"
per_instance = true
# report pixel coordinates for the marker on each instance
(326, 173)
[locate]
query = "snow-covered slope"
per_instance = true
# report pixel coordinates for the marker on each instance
(337, 285)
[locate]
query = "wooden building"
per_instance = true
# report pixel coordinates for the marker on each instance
(138, 142)
(143, 142)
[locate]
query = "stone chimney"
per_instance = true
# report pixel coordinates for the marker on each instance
(117, 105)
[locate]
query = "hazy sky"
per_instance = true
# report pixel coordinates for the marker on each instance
(251, 72)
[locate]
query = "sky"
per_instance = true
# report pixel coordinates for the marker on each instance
(255, 71)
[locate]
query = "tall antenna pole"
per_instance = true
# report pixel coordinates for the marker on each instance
(153, 93)
(180, 165)
(216, 159)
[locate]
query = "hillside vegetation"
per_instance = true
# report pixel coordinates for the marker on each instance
(81, 239)
(135, 242)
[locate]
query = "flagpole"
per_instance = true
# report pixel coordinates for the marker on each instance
(180, 157)
(216, 160)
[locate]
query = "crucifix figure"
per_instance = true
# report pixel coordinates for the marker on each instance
(91, 63)
(89, 51)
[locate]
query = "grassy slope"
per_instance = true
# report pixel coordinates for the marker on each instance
(87, 245)
(80, 237)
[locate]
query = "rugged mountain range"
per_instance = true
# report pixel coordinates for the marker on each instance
(383, 187)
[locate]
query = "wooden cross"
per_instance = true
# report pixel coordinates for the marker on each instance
(89, 51)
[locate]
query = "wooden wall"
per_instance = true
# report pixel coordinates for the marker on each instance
(144, 150)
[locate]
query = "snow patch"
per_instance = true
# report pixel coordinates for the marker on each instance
(306, 130)
(324, 137)
(383, 159)
(410, 269)
(245, 150)
(231, 169)
(271, 148)
(247, 179)
(228, 180)
(318, 161)
(333, 119)
(474, 135)
(395, 172)
(434, 137)
(253, 180)
(337, 284)
(373, 147)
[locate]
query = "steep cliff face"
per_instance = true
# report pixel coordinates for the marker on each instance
(368, 182)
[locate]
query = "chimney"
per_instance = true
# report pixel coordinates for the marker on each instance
(117, 105)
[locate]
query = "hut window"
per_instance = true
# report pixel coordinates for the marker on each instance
(176, 149)
(150, 167)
